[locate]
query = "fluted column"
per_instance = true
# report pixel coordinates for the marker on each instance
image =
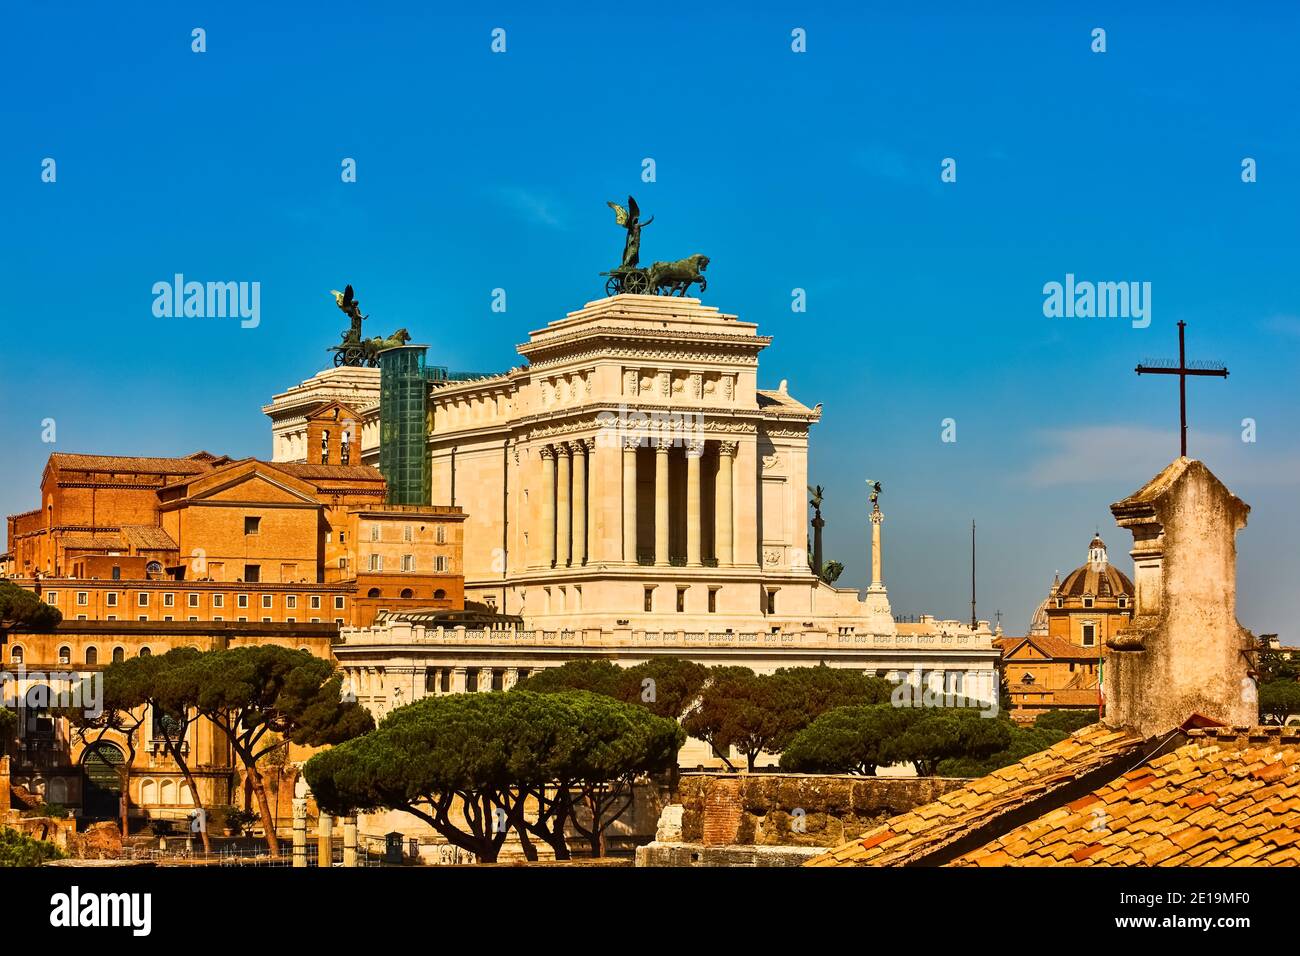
(563, 504)
(693, 524)
(723, 540)
(629, 500)
(579, 449)
(662, 445)
(324, 840)
(350, 840)
(548, 506)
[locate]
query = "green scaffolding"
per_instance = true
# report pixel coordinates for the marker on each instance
(403, 438)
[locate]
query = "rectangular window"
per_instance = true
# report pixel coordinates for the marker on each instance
(649, 599)
(771, 601)
(408, 562)
(142, 599)
(193, 600)
(111, 599)
(167, 617)
(1087, 602)
(713, 600)
(440, 563)
(143, 617)
(408, 533)
(291, 601)
(253, 573)
(343, 564)
(440, 535)
(681, 600)
(191, 618)
(374, 531)
(117, 573)
(52, 597)
(169, 599)
(315, 602)
(291, 620)
(376, 562)
(338, 602)
(266, 601)
(266, 620)
(243, 600)
(252, 524)
(338, 621)
(1089, 635)
(82, 599)
(217, 617)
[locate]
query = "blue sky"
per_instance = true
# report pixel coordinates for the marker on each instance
(818, 171)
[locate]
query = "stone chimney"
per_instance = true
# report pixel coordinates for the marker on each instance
(1184, 652)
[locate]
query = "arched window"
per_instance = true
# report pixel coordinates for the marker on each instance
(92, 655)
(65, 654)
(373, 592)
(16, 654)
(407, 593)
(439, 594)
(145, 652)
(119, 654)
(153, 567)
(148, 792)
(167, 792)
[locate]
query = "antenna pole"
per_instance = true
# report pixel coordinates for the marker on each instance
(973, 622)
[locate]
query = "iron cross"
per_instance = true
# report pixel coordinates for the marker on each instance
(1182, 371)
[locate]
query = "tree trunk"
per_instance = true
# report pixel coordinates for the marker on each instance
(194, 795)
(263, 807)
(126, 800)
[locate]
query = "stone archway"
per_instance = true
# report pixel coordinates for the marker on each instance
(102, 795)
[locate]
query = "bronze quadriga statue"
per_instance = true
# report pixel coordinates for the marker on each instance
(662, 278)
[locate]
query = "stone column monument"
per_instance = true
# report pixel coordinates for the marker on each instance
(880, 616)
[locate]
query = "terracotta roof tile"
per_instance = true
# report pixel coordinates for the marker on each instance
(1223, 798)
(984, 800)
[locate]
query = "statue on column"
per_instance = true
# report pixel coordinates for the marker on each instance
(828, 571)
(817, 523)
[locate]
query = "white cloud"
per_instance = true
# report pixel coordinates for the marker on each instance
(1106, 453)
(533, 207)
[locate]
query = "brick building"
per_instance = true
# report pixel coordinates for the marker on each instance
(205, 538)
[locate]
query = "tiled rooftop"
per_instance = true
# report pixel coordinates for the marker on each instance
(1222, 798)
(911, 836)
(1219, 800)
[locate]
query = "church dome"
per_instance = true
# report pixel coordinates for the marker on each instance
(1098, 578)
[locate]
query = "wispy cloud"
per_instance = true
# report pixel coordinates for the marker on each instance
(885, 163)
(1106, 453)
(1288, 325)
(530, 205)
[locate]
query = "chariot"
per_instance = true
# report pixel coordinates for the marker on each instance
(662, 278)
